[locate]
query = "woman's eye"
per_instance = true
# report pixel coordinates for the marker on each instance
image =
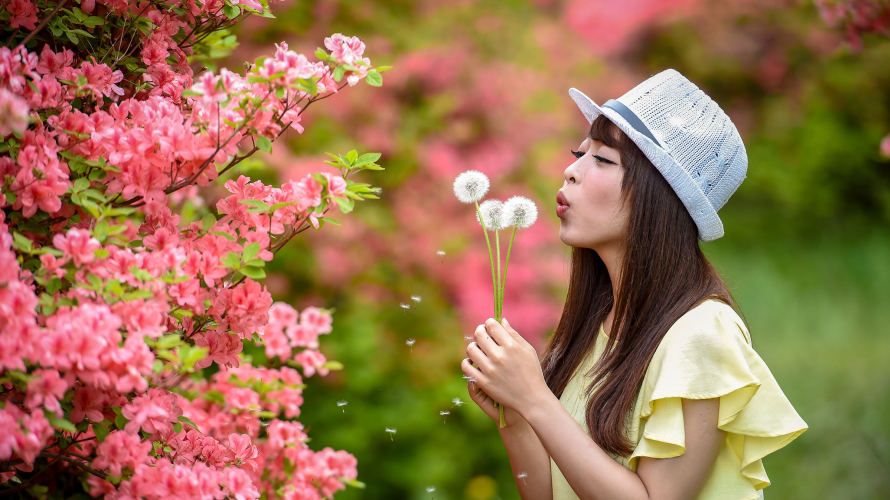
(578, 154)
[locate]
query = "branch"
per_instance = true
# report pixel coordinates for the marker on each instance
(70, 460)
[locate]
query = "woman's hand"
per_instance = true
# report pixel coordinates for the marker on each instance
(508, 368)
(485, 402)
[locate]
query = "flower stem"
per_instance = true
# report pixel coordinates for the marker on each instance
(500, 291)
(506, 263)
(494, 282)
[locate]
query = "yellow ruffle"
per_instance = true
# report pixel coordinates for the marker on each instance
(707, 354)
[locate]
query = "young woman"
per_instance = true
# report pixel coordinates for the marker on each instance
(649, 389)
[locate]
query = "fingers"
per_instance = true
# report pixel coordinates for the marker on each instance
(497, 332)
(469, 370)
(485, 341)
(477, 356)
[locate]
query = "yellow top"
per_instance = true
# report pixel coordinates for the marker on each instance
(706, 354)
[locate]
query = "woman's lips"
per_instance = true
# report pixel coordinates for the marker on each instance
(562, 204)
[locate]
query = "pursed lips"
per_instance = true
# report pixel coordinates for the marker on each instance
(562, 204)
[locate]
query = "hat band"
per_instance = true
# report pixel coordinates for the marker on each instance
(631, 118)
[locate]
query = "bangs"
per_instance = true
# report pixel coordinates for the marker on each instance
(603, 130)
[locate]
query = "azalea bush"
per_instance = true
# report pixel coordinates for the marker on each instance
(125, 302)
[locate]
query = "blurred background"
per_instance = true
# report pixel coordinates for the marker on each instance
(483, 85)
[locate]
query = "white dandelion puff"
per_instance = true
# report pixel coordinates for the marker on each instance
(430, 489)
(520, 212)
(410, 343)
(492, 215)
(522, 475)
(444, 413)
(440, 253)
(468, 337)
(342, 402)
(416, 298)
(471, 186)
(391, 432)
(404, 307)
(457, 402)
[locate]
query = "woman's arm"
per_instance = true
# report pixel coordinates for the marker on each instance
(593, 474)
(527, 454)
(508, 371)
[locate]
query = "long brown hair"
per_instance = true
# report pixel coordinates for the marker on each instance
(664, 275)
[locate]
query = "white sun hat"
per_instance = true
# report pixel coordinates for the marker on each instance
(688, 138)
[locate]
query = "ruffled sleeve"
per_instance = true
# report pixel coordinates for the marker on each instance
(707, 354)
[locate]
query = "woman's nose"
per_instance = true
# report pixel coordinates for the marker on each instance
(570, 174)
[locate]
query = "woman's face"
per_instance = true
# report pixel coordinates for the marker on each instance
(589, 204)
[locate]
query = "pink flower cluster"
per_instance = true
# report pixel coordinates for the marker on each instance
(110, 303)
(856, 17)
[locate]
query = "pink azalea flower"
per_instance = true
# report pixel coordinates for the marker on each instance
(78, 245)
(46, 390)
(24, 14)
(13, 113)
(121, 450)
(153, 412)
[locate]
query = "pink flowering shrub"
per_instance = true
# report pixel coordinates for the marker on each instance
(113, 298)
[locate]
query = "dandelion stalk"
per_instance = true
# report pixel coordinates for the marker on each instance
(494, 283)
(499, 294)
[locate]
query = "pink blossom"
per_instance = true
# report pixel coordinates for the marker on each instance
(78, 245)
(243, 452)
(223, 349)
(24, 14)
(153, 412)
(101, 79)
(13, 112)
(121, 450)
(246, 307)
(46, 389)
(336, 184)
(312, 361)
(345, 49)
(885, 146)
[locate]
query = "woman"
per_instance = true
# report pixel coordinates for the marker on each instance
(649, 388)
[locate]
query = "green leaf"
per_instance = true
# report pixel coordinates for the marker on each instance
(346, 205)
(321, 54)
(250, 251)
(101, 230)
(101, 253)
(120, 421)
(53, 285)
(374, 79)
(253, 272)
(208, 221)
(231, 11)
(101, 431)
(184, 419)
(352, 156)
(255, 203)
(169, 341)
(338, 73)
(367, 158)
(330, 221)
(224, 235)
(177, 427)
(282, 205)
(355, 483)
(22, 243)
(189, 355)
(264, 143)
(61, 424)
(381, 69)
(333, 365)
(231, 260)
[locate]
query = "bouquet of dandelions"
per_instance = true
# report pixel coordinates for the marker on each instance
(517, 212)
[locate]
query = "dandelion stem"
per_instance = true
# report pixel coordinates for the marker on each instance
(506, 263)
(499, 295)
(494, 283)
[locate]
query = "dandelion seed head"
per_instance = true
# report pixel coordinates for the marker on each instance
(457, 401)
(416, 298)
(492, 215)
(342, 402)
(522, 475)
(410, 342)
(471, 186)
(468, 337)
(405, 306)
(440, 253)
(430, 489)
(520, 212)
(444, 412)
(471, 379)
(391, 430)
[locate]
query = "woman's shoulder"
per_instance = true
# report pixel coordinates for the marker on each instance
(712, 320)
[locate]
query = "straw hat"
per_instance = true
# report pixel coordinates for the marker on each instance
(688, 138)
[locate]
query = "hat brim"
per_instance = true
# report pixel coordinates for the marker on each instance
(710, 227)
